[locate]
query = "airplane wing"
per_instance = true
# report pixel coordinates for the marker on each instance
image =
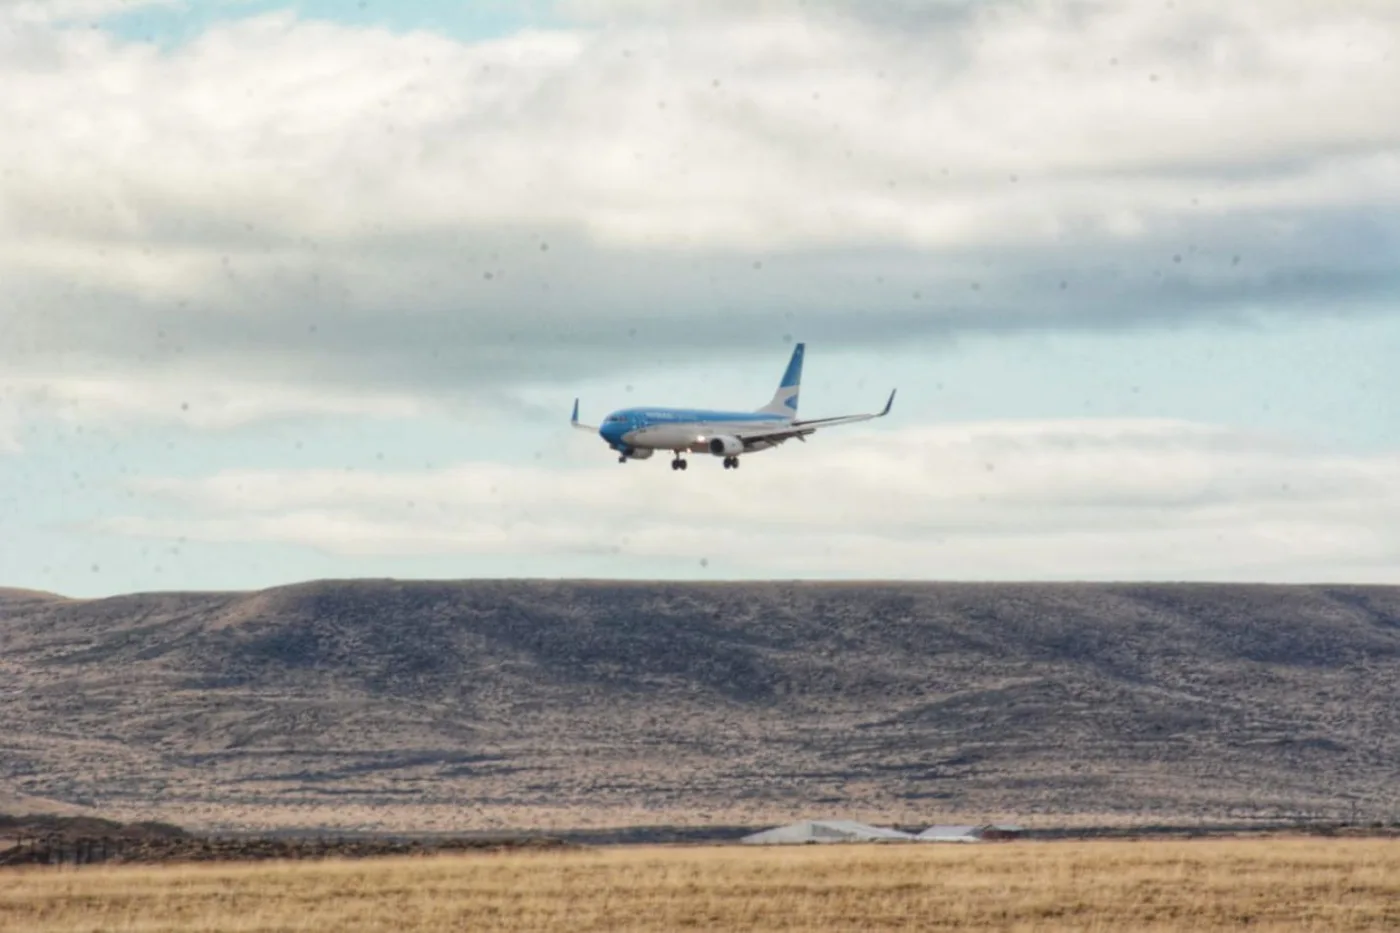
(575, 422)
(801, 428)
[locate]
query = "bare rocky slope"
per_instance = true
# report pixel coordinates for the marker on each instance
(482, 705)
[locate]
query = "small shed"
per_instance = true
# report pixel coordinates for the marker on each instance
(951, 834)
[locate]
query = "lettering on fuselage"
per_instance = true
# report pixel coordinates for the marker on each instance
(687, 417)
(669, 416)
(642, 419)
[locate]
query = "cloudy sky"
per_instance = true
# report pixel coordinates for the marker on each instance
(300, 290)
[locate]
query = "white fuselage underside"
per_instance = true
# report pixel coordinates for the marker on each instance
(694, 436)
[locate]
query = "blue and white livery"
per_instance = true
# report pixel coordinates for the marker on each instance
(637, 433)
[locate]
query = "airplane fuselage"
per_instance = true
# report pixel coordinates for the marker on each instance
(630, 431)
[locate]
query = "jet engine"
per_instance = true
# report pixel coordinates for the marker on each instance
(726, 446)
(638, 453)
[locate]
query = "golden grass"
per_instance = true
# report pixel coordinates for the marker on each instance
(1261, 884)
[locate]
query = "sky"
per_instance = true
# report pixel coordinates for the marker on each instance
(307, 290)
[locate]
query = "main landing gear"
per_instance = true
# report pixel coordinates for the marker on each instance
(680, 463)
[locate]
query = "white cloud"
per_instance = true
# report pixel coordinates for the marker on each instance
(1085, 499)
(404, 193)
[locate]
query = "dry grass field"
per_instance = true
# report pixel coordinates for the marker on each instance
(1261, 884)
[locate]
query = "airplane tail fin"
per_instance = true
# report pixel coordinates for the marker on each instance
(785, 399)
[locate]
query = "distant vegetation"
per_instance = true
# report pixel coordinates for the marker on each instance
(27, 841)
(1261, 885)
(44, 824)
(539, 705)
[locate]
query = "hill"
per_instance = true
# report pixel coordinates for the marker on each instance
(482, 705)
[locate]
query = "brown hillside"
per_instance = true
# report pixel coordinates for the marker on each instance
(536, 704)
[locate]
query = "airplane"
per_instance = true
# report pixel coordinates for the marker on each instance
(637, 433)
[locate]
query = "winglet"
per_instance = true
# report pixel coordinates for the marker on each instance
(889, 403)
(573, 420)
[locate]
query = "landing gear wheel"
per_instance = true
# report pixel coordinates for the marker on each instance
(678, 464)
(622, 459)
(731, 463)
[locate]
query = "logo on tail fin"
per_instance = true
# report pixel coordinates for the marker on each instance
(785, 399)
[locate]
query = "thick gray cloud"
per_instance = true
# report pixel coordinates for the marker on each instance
(325, 218)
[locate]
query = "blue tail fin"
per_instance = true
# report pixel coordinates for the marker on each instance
(785, 399)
